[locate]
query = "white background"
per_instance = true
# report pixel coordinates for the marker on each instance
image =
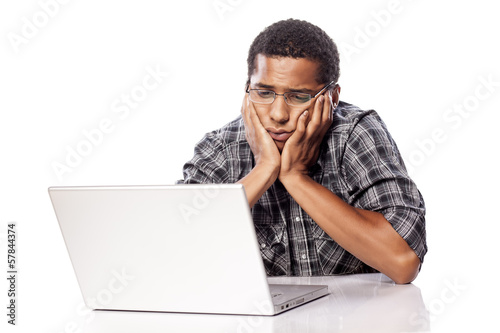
(412, 66)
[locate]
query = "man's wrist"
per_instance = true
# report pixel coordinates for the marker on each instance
(293, 178)
(257, 182)
(272, 170)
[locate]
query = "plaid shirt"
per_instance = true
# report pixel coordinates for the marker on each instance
(358, 161)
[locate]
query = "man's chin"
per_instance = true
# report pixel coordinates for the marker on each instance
(280, 145)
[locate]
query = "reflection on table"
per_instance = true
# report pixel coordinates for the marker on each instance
(356, 303)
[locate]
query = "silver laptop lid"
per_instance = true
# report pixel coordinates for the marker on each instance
(138, 248)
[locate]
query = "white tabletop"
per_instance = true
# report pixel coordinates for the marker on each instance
(356, 303)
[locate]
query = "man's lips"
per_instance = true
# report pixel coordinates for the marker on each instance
(279, 135)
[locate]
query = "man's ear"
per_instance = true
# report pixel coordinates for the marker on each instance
(335, 95)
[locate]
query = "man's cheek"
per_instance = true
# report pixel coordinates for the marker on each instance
(297, 113)
(262, 113)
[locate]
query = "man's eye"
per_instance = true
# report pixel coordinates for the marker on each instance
(265, 94)
(299, 98)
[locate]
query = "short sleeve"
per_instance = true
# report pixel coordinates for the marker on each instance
(377, 180)
(209, 163)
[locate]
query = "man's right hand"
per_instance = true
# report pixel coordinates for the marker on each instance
(266, 154)
(264, 149)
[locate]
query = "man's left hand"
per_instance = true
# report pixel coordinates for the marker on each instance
(301, 150)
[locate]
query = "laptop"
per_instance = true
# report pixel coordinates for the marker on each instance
(172, 248)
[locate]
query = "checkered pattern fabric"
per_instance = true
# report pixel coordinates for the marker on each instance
(359, 162)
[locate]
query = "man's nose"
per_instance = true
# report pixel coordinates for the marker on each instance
(279, 110)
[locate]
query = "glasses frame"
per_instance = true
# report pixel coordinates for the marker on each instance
(285, 95)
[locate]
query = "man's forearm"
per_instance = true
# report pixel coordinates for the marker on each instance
(258, 181)
(366, 235)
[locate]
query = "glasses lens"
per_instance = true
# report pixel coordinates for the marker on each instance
(262, 96)
(297, 98)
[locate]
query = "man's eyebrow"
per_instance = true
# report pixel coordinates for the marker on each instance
(264, 86)
(304, 90)
(267, 86)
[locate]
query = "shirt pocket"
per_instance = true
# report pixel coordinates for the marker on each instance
(272, 248)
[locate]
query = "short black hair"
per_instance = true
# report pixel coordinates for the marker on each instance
(297, 39)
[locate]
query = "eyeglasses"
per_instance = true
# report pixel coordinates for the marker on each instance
(264, 96)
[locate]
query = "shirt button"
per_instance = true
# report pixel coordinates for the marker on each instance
(297, 219)
(262, 245)
(303, 256)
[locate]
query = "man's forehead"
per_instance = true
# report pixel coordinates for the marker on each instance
(295, 72)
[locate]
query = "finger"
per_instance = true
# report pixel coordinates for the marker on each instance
(244, 105)
(244, 111)
(300, 131)
(327, 109)
(253, 117)
(244, 108)
(317, 115)
(258, 129)
(326, 117)
(247, 121)
(302, 124)
(308, 117)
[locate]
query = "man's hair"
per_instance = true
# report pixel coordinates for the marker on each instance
(297, 39)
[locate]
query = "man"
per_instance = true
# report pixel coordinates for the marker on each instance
(328, 188)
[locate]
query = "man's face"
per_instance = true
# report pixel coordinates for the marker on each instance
(283, 75)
